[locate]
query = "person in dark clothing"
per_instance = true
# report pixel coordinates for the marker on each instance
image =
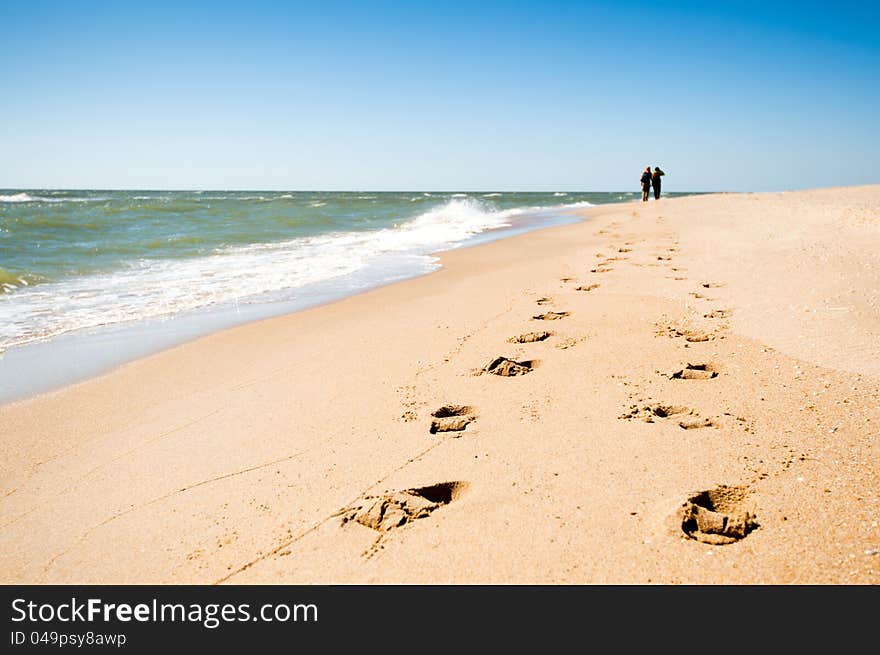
(646, 184)
(655, 181)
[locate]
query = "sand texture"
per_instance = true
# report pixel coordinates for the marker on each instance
(683, 391)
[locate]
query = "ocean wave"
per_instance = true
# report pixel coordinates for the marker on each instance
(17, 197)
(150, 288)
(492, 195)
(444, 225)
(559, 194)
(25, 197)
(317, 204)
(10, 281)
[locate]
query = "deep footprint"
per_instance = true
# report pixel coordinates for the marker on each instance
(452, 418)
(396, 509)
(531, 337)
(551, 316)
(716, 516)
(544, 301)
(589, 287)
(718, 313)
(696, 372)
(507, 367)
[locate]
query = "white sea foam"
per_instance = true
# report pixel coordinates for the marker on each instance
(317, 204)
(25, 197)
(492, 195)
(559, 194)
(151, 288)
(16, 197)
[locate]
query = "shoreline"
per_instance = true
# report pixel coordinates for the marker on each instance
(93, 352)
(229, 458)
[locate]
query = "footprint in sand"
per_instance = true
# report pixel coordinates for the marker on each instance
(717, 516)
(588, 287)
(569, 342)
(530, 337)
(600, 269)
(696, 372)
(712, 285)
(544, 301)
(396, 509)
(692, 336)
(718, 313)
(452, 418)
(551, 316)
(567, 279)
(507, 367)
(687, 418)
(650, 412)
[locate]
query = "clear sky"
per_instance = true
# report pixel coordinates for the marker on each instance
(438, 95)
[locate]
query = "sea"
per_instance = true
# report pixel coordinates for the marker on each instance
(89, 279)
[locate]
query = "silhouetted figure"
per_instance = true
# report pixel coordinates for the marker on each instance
(646, 184)
(655, 181)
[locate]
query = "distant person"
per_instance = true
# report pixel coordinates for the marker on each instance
(655, 181)
(646, 184)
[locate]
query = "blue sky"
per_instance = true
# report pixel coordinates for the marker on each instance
(438, 95)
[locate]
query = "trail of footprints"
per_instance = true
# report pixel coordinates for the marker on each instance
(717, 516)
(392, 510)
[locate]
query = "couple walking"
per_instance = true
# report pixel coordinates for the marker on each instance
(651, 180)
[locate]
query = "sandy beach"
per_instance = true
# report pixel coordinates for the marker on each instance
(692, 396)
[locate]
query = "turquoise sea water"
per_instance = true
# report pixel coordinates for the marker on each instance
(75, 262)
